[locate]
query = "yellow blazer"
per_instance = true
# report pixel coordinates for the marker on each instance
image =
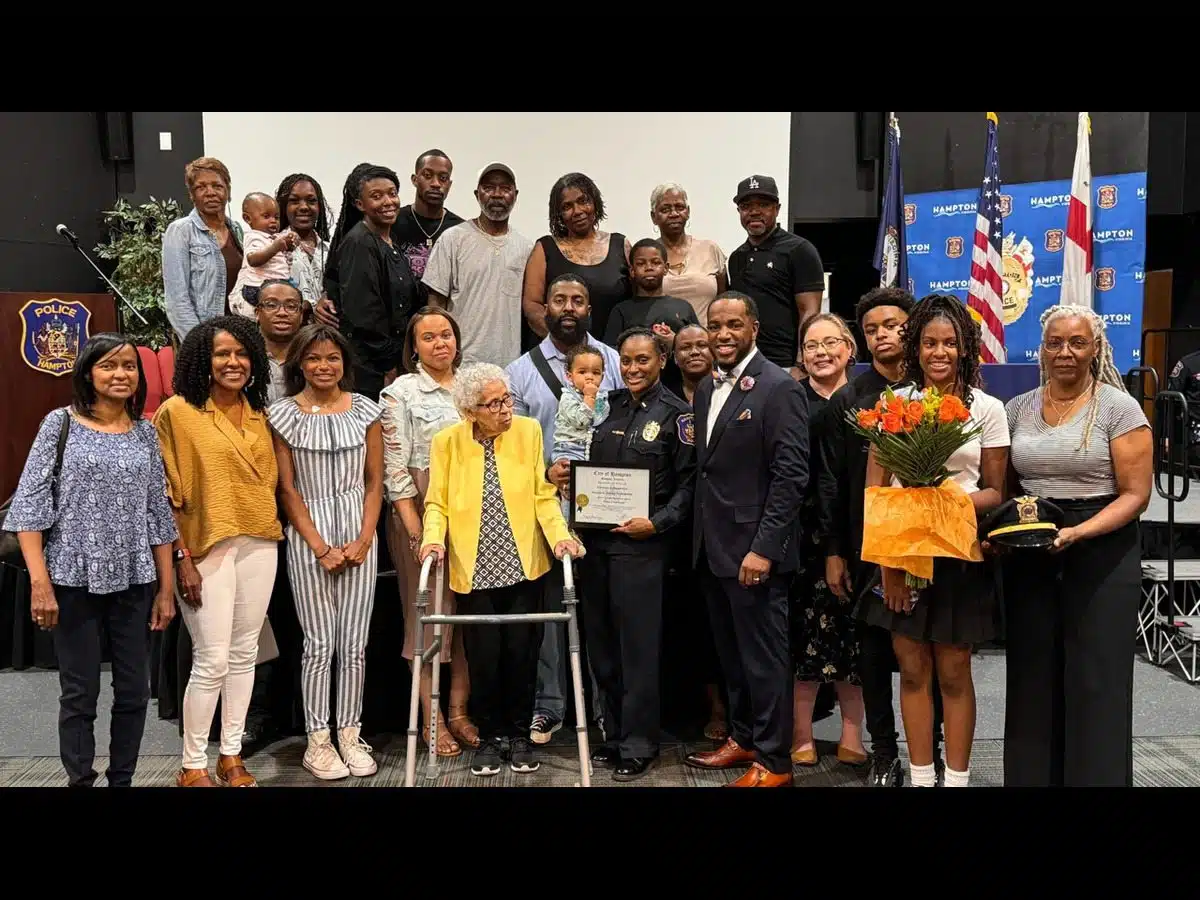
(454, 501)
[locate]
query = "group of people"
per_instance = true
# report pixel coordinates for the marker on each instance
(422, 382)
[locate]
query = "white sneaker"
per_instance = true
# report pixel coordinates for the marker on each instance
(356, 752)
(322, 760)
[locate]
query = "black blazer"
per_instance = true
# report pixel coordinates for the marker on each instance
(751, 479)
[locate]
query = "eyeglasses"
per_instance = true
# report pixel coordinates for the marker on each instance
(272, 305)
(829, 345)
(1076, 344)
(495, 405)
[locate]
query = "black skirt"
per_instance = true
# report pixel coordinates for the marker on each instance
(960, 606)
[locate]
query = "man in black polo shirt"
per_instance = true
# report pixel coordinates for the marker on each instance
(841, 484)
(780, 270)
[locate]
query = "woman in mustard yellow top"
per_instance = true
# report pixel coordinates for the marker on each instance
(221, 479)
(487, 469)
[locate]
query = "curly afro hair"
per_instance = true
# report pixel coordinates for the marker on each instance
(193, 363)
(953, 310)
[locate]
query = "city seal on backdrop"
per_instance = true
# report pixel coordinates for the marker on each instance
(52, 331)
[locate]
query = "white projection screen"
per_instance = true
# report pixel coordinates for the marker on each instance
(625, 153)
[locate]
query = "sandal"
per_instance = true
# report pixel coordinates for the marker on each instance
(193, 778)
(446, 745)
(466, 733)
(231, 772)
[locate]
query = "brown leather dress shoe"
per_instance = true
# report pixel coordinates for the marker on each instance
(729, 755)
(759, 776)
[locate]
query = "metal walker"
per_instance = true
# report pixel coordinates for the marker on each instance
(434, 654)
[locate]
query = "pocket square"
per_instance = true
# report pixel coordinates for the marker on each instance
(744, 416)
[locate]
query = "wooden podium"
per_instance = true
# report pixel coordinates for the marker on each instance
(41, 335)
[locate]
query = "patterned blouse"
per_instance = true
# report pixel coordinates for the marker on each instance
(111, 505)
(497, 564)
(415, 408)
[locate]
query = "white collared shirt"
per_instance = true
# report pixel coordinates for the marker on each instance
(722, 391)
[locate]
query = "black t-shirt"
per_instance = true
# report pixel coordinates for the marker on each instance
(415, 235)
(648, 311)
(773, 273)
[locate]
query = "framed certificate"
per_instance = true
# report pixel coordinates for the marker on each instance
(604, 496)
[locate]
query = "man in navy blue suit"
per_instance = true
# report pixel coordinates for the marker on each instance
(751, 420)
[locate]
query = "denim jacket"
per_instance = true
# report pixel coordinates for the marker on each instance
(194, 272)
(415, 408)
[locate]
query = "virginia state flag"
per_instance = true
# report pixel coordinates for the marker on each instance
(891, 257)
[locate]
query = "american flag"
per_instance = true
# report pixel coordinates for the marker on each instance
(987, 263)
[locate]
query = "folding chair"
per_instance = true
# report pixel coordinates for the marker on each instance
(434, 654)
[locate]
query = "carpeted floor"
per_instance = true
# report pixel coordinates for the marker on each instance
(1166, 724)
(1158, 762)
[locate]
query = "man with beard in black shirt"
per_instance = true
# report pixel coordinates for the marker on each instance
(420, 224)
(840, 489)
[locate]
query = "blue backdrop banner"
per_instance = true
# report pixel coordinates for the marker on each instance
(941, 229)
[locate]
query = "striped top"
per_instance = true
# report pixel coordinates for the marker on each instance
(1050, 461)
(329, 455)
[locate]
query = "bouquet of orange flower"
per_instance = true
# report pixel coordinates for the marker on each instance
(929, 515)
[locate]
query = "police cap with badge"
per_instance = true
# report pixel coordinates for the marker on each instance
(1022, 523)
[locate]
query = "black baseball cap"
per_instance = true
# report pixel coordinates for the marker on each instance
(757, 186)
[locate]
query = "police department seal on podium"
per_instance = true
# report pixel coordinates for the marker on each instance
(52, 333)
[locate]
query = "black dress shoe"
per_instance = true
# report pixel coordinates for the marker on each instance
(633, 769)
(885, 772)
(605, 757)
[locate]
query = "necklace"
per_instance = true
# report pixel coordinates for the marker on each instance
(429, 237)
(684, 248)
(317, 407)
(1056, 404)
(497, 244)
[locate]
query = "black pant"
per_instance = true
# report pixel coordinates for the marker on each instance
(624, 603)
(878, 665)
(502, 659)
(1069, 712)
(84, 622)
(750, 627)
(368, 382)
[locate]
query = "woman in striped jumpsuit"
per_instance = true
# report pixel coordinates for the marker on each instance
(329, 446)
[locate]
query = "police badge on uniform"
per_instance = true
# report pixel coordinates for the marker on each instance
(650, 431)
(685, 428)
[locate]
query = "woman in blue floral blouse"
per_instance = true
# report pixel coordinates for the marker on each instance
(97, 543)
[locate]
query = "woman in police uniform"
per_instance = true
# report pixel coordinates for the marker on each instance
(623, 590)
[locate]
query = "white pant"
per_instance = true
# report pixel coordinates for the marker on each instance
(238, 576)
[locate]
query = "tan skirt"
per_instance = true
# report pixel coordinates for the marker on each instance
(410, 573)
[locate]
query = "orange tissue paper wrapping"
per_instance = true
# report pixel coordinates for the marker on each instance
(906, 527)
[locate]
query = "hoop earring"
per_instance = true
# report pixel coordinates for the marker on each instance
(250, 383)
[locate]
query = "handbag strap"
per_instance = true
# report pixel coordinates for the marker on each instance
(540, 363)
(64, 430)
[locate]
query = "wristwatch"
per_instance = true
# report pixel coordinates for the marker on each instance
(183, 554)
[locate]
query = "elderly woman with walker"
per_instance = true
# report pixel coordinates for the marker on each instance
(497, 555)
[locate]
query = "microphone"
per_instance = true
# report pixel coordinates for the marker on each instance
(67, 233)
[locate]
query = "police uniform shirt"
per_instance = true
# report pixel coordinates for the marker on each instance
(1185, 378)
(773, 273)
(657, 430)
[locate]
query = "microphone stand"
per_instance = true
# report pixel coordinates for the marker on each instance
(74, 241)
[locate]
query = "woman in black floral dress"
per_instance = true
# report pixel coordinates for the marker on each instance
(824, 644)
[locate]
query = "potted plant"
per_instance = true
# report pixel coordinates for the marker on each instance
(135, 236)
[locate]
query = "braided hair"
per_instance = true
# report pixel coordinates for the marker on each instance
(193, 363)
(585, 186)
(1103, 370)
(281, 197)
(350, 215)
(966, 329)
